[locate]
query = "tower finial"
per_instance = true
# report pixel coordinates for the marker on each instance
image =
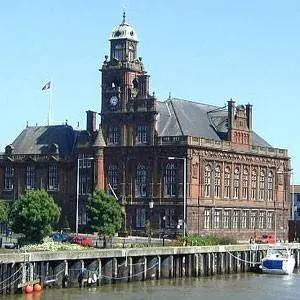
(124, 15)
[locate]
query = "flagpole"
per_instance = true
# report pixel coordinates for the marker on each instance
(50, 104)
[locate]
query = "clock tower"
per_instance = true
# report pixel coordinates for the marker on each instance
(128, 110)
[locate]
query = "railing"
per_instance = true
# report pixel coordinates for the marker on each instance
(222, 145)
(35, 157)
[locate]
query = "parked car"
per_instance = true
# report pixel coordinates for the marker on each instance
(82, 240)
(266, 239)
(60, 236)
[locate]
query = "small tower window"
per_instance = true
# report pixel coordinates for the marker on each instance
(118, 52)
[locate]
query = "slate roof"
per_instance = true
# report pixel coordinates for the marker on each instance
(40, 139)
(182, 117)
(175, 117)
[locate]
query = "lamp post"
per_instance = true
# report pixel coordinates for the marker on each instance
(163, 226)
(77, 189)
(184, 191)
(151, 204)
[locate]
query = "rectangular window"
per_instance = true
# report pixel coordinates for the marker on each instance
(270, 217)
(217, 219)
(141, 181)
(85, 176)
(262, 186)
(226, 219)
(244, 218)
(253, 220)
(235, 219)
(236, 184)
(227, 184)
(254, 185)
(113, 177)
(217, 182)
(140, 217)
(270, 187)
(82, 216)
(142, 134)
(52, 178)
(261, 220)
(207, 219)
(207, 181)
(30, 177)
(170, 221)
(170, 180)
(8, 178)
(113, 135)
(245, 184)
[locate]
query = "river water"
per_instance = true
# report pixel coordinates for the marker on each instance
(226, 287)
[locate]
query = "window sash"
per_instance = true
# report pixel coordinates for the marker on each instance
(53, 177)
(140, 217)
(8, 178)
(30, 177)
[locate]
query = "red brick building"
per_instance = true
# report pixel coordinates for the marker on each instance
(181, 164)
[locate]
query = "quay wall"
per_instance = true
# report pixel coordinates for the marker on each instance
(106, 266)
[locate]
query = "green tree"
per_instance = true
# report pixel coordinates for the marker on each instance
(106, 214)
(33, 215)
(3, 212)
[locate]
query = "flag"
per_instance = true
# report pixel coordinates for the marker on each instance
(46, 86)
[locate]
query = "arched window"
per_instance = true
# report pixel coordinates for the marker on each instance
(227, 181)
(262, 183)
(270, 185)
(170, 180)
(245, 187)
(141, 181)
(254, 184)
(217, 182)
(113, 176)
(207, 181)
(236, 191)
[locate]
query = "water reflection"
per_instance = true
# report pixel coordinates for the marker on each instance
(225, 287)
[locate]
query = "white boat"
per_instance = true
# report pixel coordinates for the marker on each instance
(279, 260)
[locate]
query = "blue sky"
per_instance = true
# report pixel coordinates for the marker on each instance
(201, 50)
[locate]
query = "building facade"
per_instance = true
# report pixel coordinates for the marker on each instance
(184, 166)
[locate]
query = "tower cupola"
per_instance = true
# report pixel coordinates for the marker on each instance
(123, 42)
(124, 31)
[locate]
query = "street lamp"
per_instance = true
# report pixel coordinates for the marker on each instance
(77, 188)
(184, 191)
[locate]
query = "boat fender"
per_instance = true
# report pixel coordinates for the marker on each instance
(65, 280)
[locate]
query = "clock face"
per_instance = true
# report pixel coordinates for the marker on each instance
(114, 100)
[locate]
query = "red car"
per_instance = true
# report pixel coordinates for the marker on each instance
(82, 240)
(266, 239)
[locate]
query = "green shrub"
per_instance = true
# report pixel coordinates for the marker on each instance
(208, 240)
